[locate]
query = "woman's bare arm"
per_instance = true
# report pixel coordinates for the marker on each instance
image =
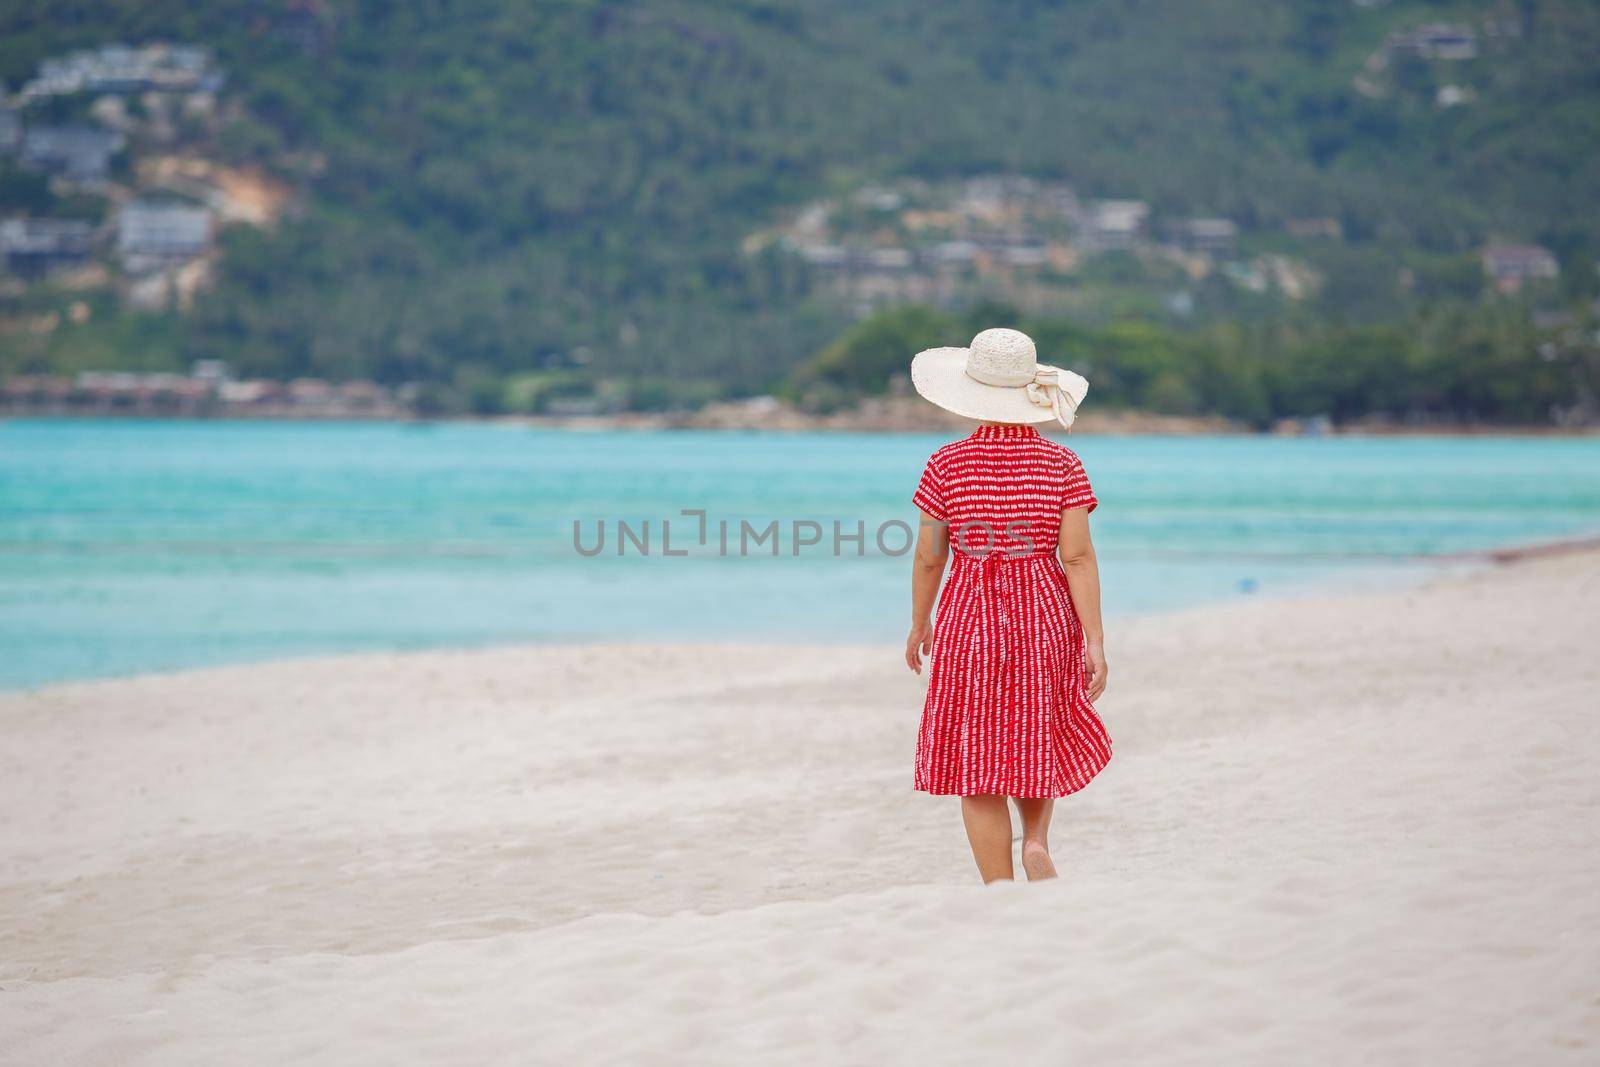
(1083, 578)
(933, 552)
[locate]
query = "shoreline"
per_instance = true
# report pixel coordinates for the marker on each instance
(1567, 546)
(1430, 570)
(892, 421)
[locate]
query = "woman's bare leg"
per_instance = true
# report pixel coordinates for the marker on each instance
(1036, 812)
(988, 822)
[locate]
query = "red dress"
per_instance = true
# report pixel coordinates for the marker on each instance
(1007, 711)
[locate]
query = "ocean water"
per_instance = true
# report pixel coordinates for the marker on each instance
(131, 546)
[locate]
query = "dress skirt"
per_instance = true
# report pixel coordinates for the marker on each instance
(1007, 710)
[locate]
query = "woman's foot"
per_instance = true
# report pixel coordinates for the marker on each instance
(1036, 861)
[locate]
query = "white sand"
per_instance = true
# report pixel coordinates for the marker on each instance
(1361, 830)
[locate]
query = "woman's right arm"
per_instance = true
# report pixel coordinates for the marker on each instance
(933, 552)
(1083, 579)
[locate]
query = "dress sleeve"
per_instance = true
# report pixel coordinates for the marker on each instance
(930, 491)
(1077, 493)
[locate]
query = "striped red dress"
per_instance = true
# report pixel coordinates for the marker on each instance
(1007, 711)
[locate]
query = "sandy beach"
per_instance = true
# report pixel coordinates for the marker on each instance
(1354, 829)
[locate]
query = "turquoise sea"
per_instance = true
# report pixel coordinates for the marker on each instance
(129, 546)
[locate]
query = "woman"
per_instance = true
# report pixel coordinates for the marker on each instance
(1018, 654)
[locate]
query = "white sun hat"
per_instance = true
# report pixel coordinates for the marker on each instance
(998, 378)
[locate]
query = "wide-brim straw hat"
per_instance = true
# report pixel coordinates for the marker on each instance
(998, 378)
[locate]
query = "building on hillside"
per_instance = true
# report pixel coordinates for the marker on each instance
(1510, 267)
(889, 259)
(209, 370)
(30, 394)
(312, 395)
(35, 247)
(1059, 201)
(1113, 224)
(1437, 40)
(80, 153)
(253, 394)
(948, 255)
(153, 235)
(1207, 236)
(150, 394)
(991, 199)
(879, 199)
(1024, 255)
(120, 68)
(825, 256)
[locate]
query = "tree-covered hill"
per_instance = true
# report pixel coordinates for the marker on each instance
(490, 186)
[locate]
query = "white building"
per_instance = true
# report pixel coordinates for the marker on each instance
(77, 152)
(34, 247)
(1208, 236)
(119, 68)
(151, 235)
(1111, 224)
(1511, 266)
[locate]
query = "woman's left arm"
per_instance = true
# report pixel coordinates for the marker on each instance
(1083, 579)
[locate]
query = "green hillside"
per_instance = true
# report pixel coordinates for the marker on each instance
(490, 187)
